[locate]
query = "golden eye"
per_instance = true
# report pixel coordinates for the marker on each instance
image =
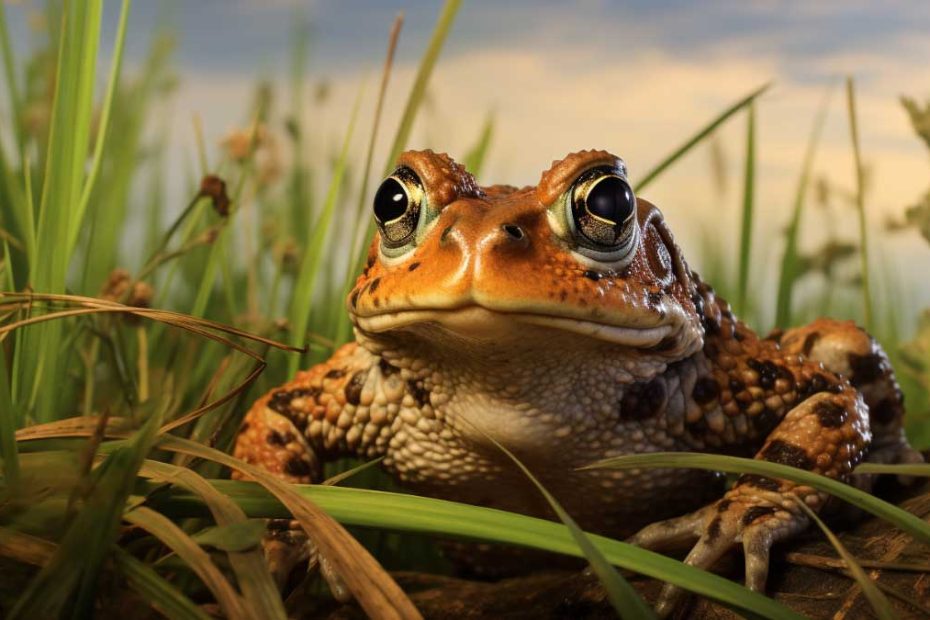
(397, 207)
(603, 207)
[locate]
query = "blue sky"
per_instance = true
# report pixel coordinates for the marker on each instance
(633, 77)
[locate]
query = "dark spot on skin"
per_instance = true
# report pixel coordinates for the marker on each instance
(279, 439)
(374, 286)
(297, 467)
(830, 414)
(244, 427)
(779, 451)
(809, 341)
(711, 326)
(563, 295)
(739, 336)
(335, 373)
(280, 402)
(711, 350)
(767, 370)
(371, 262)
(592, 275)
(723, 505)
(775, 335)
(413, 266)
(377, 302)
(654, 298)
(736, 386)
(354, 387)
(705, 390)
(884, 411)
(866, 368)
(819, 383)
(643, 400)
(387, 369)
(419, 393)
(759, 482)
(698, 427)
(354, 299)
(754, 513)
(713, 531)
(766, 420)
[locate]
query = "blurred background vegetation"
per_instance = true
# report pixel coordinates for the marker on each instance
(253, 241)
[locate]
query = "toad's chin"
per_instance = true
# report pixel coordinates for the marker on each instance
(480, 323)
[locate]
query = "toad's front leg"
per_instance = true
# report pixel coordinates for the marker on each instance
(342, 407)
(827, 434)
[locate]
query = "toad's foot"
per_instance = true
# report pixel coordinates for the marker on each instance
(752, 520)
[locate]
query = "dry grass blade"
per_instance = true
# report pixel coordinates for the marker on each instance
(256, 582)
(82, 426)
(193, 555)
(876, 598)
(198, 326)
(345, 475)
(372, 587)
(25, 547)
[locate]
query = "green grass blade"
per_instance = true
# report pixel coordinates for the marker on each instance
(625, 600)
(411, 513)
(9, 64)
(790, 262)
(311, 265)
(474, 159)
(425, 70)
(681, 151)
(911, 469)
(104, 124)
(868, 314)
(155, 589)
(876, 599)
(735, 465)
(749, 190)
(362, 218)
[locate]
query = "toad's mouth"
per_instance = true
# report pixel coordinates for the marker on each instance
(479, 322)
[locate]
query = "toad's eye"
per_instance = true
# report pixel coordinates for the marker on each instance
(397, 207)
(602, 209)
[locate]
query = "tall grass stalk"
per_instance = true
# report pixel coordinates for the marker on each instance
(749, 188)
(313, 264)
(698, 137)
(860, 206)
(412, 107)
(790, 262)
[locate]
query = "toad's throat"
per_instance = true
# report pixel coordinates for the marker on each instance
(479, 322)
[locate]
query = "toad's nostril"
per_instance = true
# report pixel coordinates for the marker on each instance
(513, 231)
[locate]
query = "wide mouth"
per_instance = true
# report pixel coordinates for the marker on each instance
(480, 322)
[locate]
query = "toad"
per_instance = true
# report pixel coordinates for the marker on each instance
(563, 321)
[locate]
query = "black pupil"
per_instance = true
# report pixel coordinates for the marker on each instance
(611, 199)
(390, 201)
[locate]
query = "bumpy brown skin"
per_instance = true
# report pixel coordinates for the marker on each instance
(481, 329)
